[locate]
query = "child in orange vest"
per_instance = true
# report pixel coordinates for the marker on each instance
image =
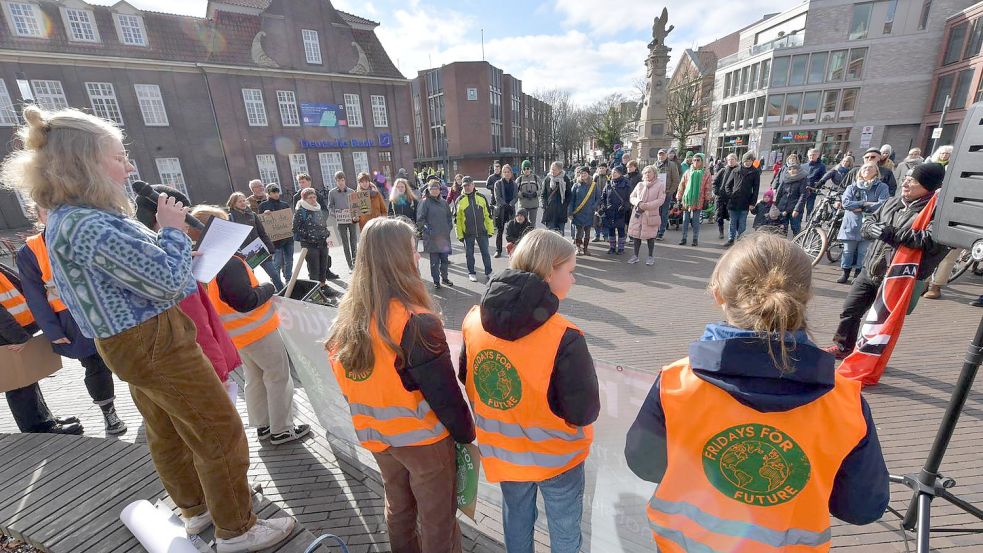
(753, 431)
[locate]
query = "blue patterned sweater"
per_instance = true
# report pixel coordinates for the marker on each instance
(113, 273)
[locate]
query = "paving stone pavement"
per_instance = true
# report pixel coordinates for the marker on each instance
(640, 317)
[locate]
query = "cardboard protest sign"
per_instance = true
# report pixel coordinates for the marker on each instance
(278, 224)
(36, 361)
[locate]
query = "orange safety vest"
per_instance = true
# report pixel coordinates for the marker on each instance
(13, 301)
(520, 438)
(743, 481)
(384, 413)
(37, 245)
(244, 328)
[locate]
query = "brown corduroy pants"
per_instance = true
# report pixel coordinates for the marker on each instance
(194, 433)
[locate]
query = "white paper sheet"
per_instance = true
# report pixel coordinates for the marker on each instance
(219, 243)
(155, 530)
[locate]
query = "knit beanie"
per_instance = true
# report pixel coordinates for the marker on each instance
(147, 209)
(929, 175)
(749, 156)
(526, 164)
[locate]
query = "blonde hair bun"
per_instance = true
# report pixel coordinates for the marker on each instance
(35, 133)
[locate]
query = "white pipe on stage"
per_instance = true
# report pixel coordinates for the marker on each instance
(156, 530)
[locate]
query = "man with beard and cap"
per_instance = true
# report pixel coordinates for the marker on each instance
(890, 227)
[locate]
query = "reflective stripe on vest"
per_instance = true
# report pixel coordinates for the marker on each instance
(744, 481)
(37, 245)
(384, 413)
(244, 328)
(13, 301)
(519, 436)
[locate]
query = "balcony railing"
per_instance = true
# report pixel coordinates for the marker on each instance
(787, 41)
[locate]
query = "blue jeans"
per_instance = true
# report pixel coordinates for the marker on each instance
(854, 252)
(438, 266)
(738, 222)
(283, 258)
(796, 223)
(664, 213)
(810, 204)
(691, 219)
(271, 269)
(469, 253)
(564, 498)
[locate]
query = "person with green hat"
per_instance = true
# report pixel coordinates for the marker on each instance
(687, 162)
(529, 191)
(694, 189)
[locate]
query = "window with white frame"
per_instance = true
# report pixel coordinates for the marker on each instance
(298, 164)
(267, 169)
(361, 162)
(25, 19)
(287, 101)
(380, 117)
(255, 109)
(131, 30)
(102, 96)
(312, 46)
(169, 170)
(151, 105)
(80, 24)
(49, 95)
(353, 109)
(132, 178)
(8, 115)
(330, 164)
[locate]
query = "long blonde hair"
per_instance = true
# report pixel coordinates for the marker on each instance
(234, 199)
(394, 194)
(59, 161)
(540, 251)
(385, 270)
(765, 282)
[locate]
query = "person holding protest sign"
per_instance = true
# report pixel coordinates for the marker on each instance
(283, 249)
(398, 379)
(339, 204)
(239, 212)
(531, 382)
(122, 283)
(738, 435)
(311, 230)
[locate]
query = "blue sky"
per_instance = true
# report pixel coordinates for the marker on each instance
(591, 47)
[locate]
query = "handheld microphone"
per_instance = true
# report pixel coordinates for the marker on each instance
(143, 189)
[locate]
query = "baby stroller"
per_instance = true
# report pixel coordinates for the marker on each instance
(675, 215)
(709, 213)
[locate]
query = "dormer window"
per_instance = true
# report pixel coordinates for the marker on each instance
(130, 29)
(25, 19)
(80, 24)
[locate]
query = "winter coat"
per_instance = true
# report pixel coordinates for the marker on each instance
(275, 205)
(909, 163)
(741, 187)
(248, 218)
(761, 211)
(741, 364)
(404, 208)
(790, 195)
(375, 207)
(672, 176)
(506, 194)
(705, 185)
(814, 171)
(11, 332)
(54, 325)
(615, 204)
(311, 227)
(514, 230)
(454, 192)
(887, 177)
(528, 191)
(898, 215)
(647, 197)
(634, 177)
(212, 337)
(719, 187)
(837, 177)
(556, 200)
(434, 221)
(473, 216)
(854, 198)
(490, 184)
(578, 194)
(515, 305)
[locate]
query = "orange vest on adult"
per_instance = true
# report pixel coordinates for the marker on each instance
(14, 302)
(384, 413)
(37, 245)
(244, 328)
(743, 481)
(520, 438)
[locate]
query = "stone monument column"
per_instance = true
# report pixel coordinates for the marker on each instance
(652, 124)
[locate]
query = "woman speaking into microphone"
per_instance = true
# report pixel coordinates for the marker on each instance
(122, 284)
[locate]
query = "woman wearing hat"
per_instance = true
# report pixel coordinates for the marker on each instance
(434, 223)
(529, 191)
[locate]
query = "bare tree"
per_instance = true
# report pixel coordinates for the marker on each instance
(610, 120)
(689, 106)
(563, 132)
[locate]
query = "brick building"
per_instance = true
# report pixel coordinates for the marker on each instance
(468, 114)
(958, 75)
(256, 89)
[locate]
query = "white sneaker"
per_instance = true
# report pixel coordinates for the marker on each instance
(650, 261)
(263, 534)
(633, 260)
(473, 278)
(197, 524)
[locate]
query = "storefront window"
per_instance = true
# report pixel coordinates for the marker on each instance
(792, 104)
(779, 72)
(837, 62)
(798, 74)
(810, 107)
(817, 67)
(828, 114)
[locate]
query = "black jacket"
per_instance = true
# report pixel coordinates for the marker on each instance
(897, 216)
(428, 368)
(405, 209)
(235, 289)
(741, 187)
(517, 303)
(311, 227)
(634, 177)
(11, 332)
(275, 205)
(791, 193)
(514, 230)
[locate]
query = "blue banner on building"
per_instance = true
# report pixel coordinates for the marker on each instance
(323, 115)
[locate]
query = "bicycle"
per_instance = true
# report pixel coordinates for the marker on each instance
(818, 238)
(964, 263)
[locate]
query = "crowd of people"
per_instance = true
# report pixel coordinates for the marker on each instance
(101, 276)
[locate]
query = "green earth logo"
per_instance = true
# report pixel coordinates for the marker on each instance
(756, 464)
(496, 380)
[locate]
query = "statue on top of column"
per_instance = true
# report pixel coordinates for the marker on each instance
(659, 30)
